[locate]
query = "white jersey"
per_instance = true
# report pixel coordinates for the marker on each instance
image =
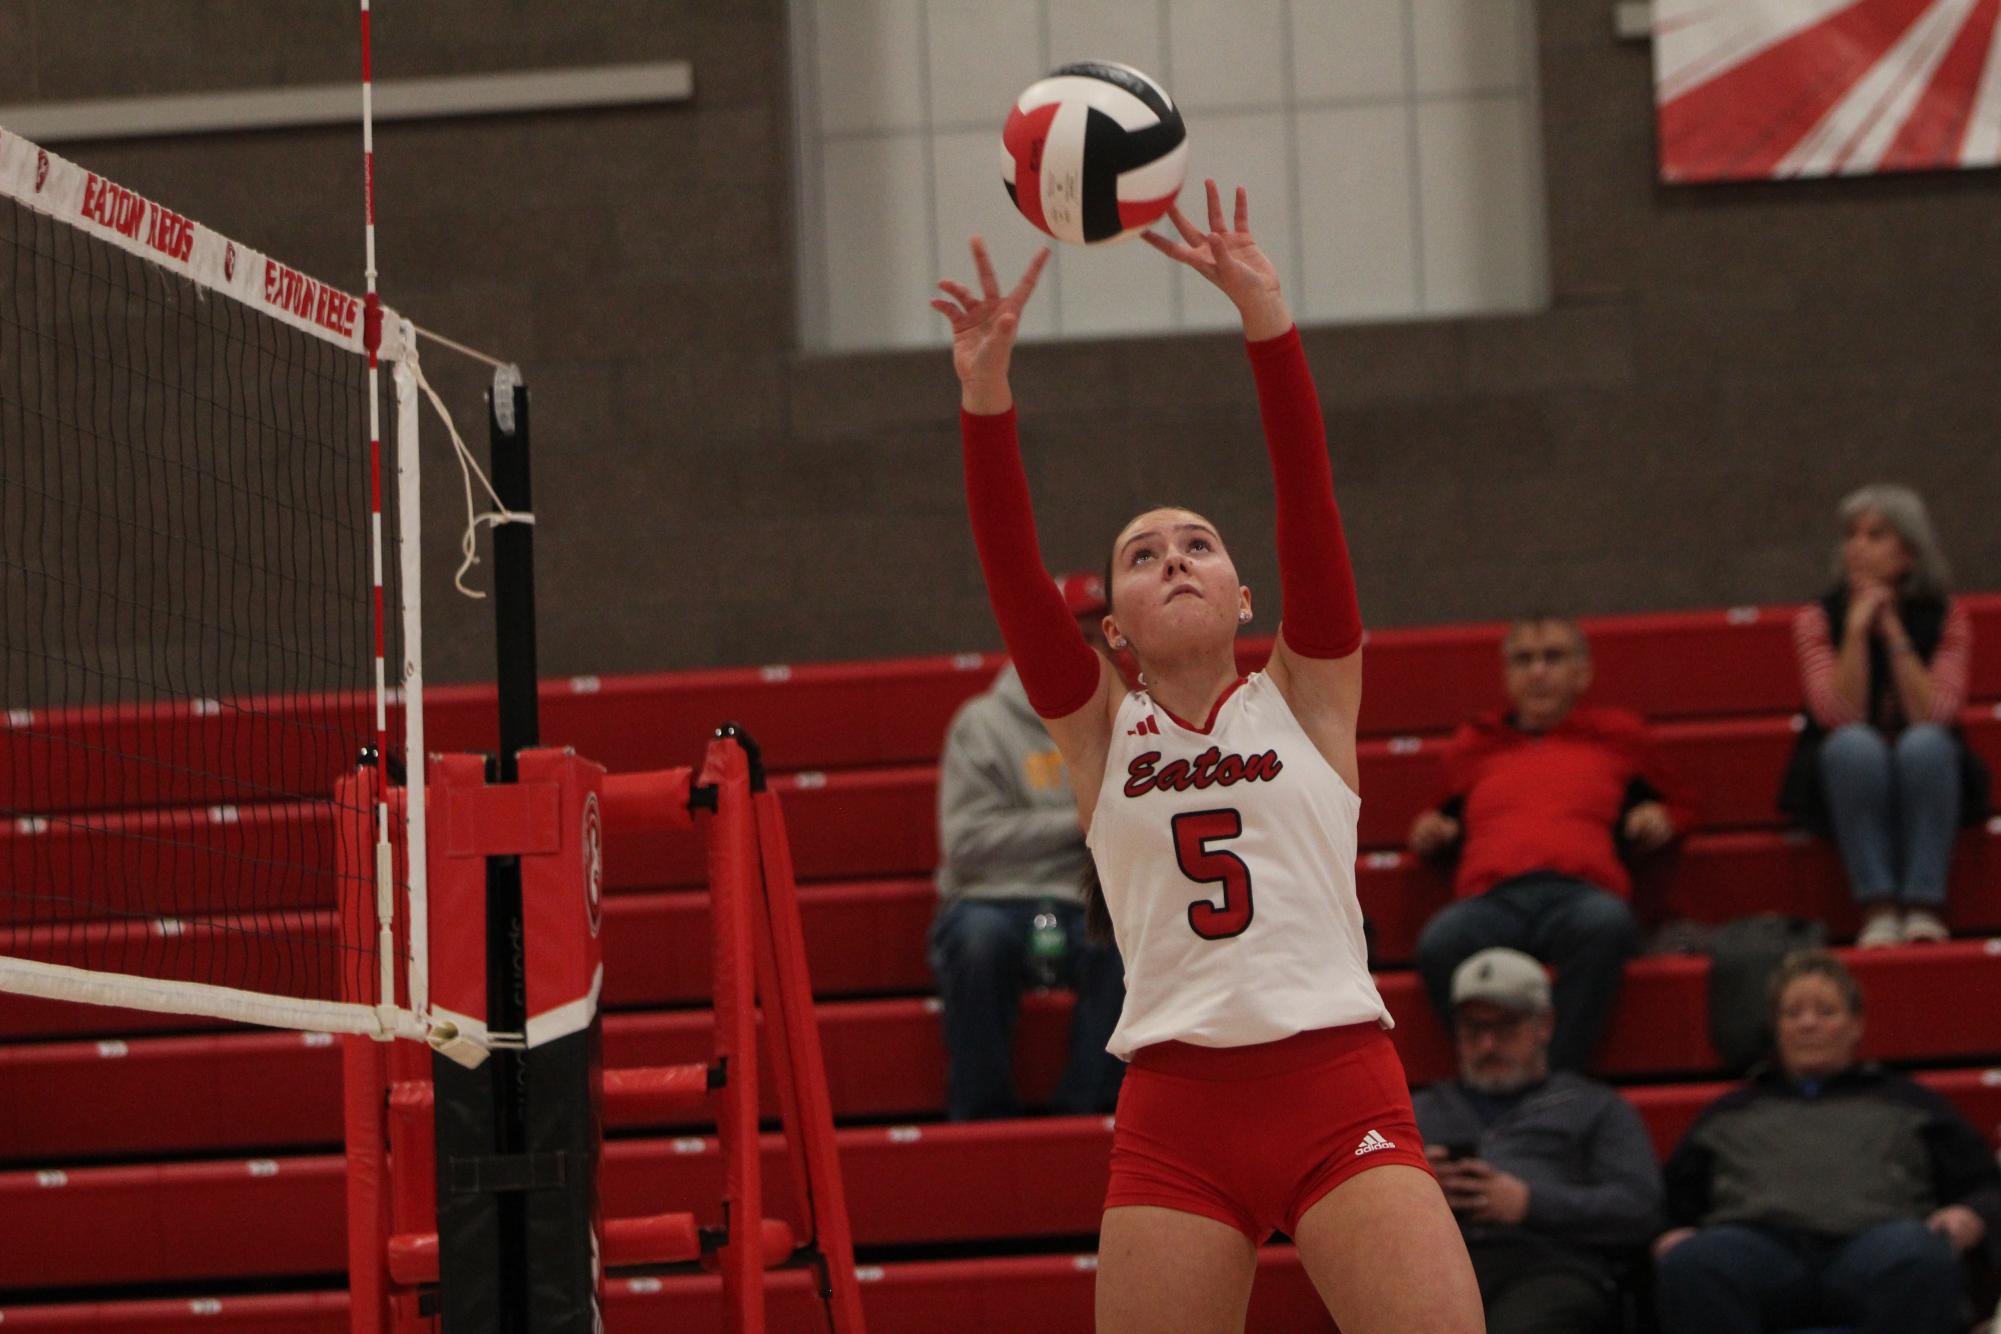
(1228, 862)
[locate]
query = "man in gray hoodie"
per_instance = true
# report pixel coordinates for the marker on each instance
(1011, 876)
(1552, 1176)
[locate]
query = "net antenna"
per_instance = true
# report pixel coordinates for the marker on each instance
(203, 586)
(371, 341)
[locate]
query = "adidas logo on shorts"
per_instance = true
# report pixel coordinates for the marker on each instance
(1373, 1142)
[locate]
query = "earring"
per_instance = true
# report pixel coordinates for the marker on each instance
(1244, 616)
(1120, 642)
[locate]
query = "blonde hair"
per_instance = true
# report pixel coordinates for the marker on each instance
(1904, 510)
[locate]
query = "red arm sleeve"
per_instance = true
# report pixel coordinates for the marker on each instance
(1322, 617)
(1058, 669)
(1815, 650)
(1951, 666)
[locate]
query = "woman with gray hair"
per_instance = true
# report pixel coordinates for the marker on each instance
(1880, 766)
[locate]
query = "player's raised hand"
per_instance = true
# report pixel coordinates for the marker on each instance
(1229, 256)
(984, 326)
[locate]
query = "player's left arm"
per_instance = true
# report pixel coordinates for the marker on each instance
(1317, 663)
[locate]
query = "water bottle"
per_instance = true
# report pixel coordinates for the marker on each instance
(1047, 944)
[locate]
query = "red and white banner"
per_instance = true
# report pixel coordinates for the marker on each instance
(1766, 89)
(63, 190)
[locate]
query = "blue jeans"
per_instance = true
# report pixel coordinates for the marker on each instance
(1894, 1278)
(1577, 928)
(979, 952)
(1894, 806)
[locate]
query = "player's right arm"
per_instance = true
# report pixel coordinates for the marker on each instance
(1074, 689)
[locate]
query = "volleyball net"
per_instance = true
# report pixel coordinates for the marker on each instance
(208, 616)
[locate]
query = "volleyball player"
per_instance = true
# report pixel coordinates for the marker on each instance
(1262, 1093)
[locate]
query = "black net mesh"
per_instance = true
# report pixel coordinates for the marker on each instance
(186, 626)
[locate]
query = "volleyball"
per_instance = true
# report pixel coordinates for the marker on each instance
(1094, 152)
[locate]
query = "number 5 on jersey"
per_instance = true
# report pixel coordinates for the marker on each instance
(1194, 831)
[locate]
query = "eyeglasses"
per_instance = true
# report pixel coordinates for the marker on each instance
(1521, 659)
(1471, 1029)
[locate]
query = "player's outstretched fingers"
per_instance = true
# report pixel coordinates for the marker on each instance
(1189, 232)
(989, 284)
(1215, 205)
(1196, 254)
(1243, 209)
(1027, 284)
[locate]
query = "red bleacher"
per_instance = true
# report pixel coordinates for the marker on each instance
(907, 1184)
(1684, 665)
(118, 1122)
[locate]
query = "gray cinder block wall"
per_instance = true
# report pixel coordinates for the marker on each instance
(1717, 368)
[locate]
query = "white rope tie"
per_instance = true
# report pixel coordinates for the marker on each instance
(460, 348)
(468, 469)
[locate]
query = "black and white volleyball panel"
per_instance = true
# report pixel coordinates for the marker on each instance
(1094, 152)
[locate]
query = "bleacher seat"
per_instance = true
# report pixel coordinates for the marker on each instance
(96, 1104)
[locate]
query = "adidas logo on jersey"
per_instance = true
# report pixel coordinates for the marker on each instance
(1148, 726)
(1373, 1142)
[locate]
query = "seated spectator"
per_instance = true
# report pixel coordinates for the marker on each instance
(1552, 1176)
(1011, 851)
(1823, 1191)
(1540, 804)
(1881, 765)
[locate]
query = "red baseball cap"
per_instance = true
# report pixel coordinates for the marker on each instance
(1083, 593)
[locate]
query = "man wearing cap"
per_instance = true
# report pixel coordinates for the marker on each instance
(1010, 852)
(1551, 1175)
(1543, 807)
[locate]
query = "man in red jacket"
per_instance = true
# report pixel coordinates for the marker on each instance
(1542, 805)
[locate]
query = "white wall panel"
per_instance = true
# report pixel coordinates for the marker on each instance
(868, 65)
(1225, 54)
(1482, 224)
(877, 234)
(1470, 46)
(1347, 50)
(980, 56)
(1358, 244)
(1390, 146)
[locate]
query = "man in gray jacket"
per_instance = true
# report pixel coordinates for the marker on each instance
(1011, 878)
(1551, 1176)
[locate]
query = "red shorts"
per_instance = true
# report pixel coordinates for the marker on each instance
(1255, 1136)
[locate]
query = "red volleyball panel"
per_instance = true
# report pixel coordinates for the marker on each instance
(1024, 136)
(1139, 212)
